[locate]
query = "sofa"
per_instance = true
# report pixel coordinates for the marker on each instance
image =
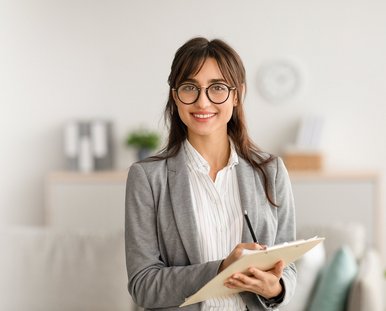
(343, 274)
(46, 269)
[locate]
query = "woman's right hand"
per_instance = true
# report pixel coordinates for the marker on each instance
(238, 252)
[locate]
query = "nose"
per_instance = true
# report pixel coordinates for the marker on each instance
(203, 100)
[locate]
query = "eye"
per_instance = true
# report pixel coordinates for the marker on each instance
(219, 87)
(187, 88)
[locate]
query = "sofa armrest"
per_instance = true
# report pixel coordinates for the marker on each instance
(367, 290)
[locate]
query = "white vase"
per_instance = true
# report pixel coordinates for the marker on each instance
(85, 158)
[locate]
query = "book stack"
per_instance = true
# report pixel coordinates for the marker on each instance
(88, 145)
(306, 153)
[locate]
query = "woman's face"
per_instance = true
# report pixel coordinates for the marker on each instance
(204, 118)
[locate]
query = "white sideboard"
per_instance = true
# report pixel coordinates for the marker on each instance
(96, 200)
(85, 200)
(325, 197)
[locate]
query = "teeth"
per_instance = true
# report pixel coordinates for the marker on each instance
(203, 116)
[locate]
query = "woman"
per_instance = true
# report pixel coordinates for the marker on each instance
(184, 207)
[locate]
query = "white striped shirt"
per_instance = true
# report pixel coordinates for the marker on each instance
(218, 214)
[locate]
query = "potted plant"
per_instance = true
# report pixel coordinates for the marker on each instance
(144, 140)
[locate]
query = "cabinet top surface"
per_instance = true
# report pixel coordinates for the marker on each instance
(121, 175)
(98, 176)
(333, 175)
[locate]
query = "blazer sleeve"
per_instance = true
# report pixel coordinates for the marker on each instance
(151, 282)
(286, 230)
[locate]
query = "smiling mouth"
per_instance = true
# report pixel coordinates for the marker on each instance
(203, 116)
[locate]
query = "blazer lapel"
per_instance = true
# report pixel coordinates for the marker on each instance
(248, 197)
(182, 205)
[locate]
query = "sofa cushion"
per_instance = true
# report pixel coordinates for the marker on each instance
(308, 268)
(366, 294)
(335, 281)
(45, 270)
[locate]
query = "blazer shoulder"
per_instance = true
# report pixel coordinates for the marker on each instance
(273, 165)
(157, 168)
(276, 170)
(149, 167)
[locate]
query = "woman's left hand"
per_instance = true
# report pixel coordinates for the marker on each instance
(263, 283)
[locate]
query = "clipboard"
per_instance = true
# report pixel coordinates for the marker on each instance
(261, 259)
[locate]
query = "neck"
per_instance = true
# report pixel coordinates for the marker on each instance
(215, 150)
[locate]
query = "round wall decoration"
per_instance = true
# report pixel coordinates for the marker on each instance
(280, 80)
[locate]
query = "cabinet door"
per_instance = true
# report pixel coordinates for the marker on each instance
(322, 201)
(86, 204)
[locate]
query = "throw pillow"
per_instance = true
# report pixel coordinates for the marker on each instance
(335, 281)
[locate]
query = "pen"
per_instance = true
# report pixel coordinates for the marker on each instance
(250, 226)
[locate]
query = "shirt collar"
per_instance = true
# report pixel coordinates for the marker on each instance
(197, 162)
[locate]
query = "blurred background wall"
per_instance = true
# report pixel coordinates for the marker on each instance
(64, 60)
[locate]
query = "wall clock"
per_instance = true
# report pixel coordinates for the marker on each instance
(280, 81)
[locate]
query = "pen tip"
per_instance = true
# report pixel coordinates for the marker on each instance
(245, 212)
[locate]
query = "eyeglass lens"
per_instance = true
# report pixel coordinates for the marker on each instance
(217, 93)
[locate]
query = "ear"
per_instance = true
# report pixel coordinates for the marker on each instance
(236, 99)
(242, 92)
(174, 94)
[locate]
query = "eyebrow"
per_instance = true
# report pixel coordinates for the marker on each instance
(210, 81)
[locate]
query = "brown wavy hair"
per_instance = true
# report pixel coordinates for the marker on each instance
(187, 62)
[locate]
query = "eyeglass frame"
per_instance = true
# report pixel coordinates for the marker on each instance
(230, 88)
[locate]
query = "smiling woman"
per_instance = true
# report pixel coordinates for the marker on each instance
(184, 206)
(205, 113)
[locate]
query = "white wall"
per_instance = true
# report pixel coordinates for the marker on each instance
(110, 59)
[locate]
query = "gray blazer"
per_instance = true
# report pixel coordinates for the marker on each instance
(162, 252)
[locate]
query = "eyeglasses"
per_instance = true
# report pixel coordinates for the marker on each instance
(189, 93)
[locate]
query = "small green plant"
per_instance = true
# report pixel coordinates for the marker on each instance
(143, 139)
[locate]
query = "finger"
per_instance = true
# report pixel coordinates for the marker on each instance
(246, 279)
(278, 268)
(230, 284)
(244, 282)
(277, 271)
(250, 246)
(238, 251)
(237, 282)
(258, 274)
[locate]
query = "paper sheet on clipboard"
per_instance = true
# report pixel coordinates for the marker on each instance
(262, 259)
